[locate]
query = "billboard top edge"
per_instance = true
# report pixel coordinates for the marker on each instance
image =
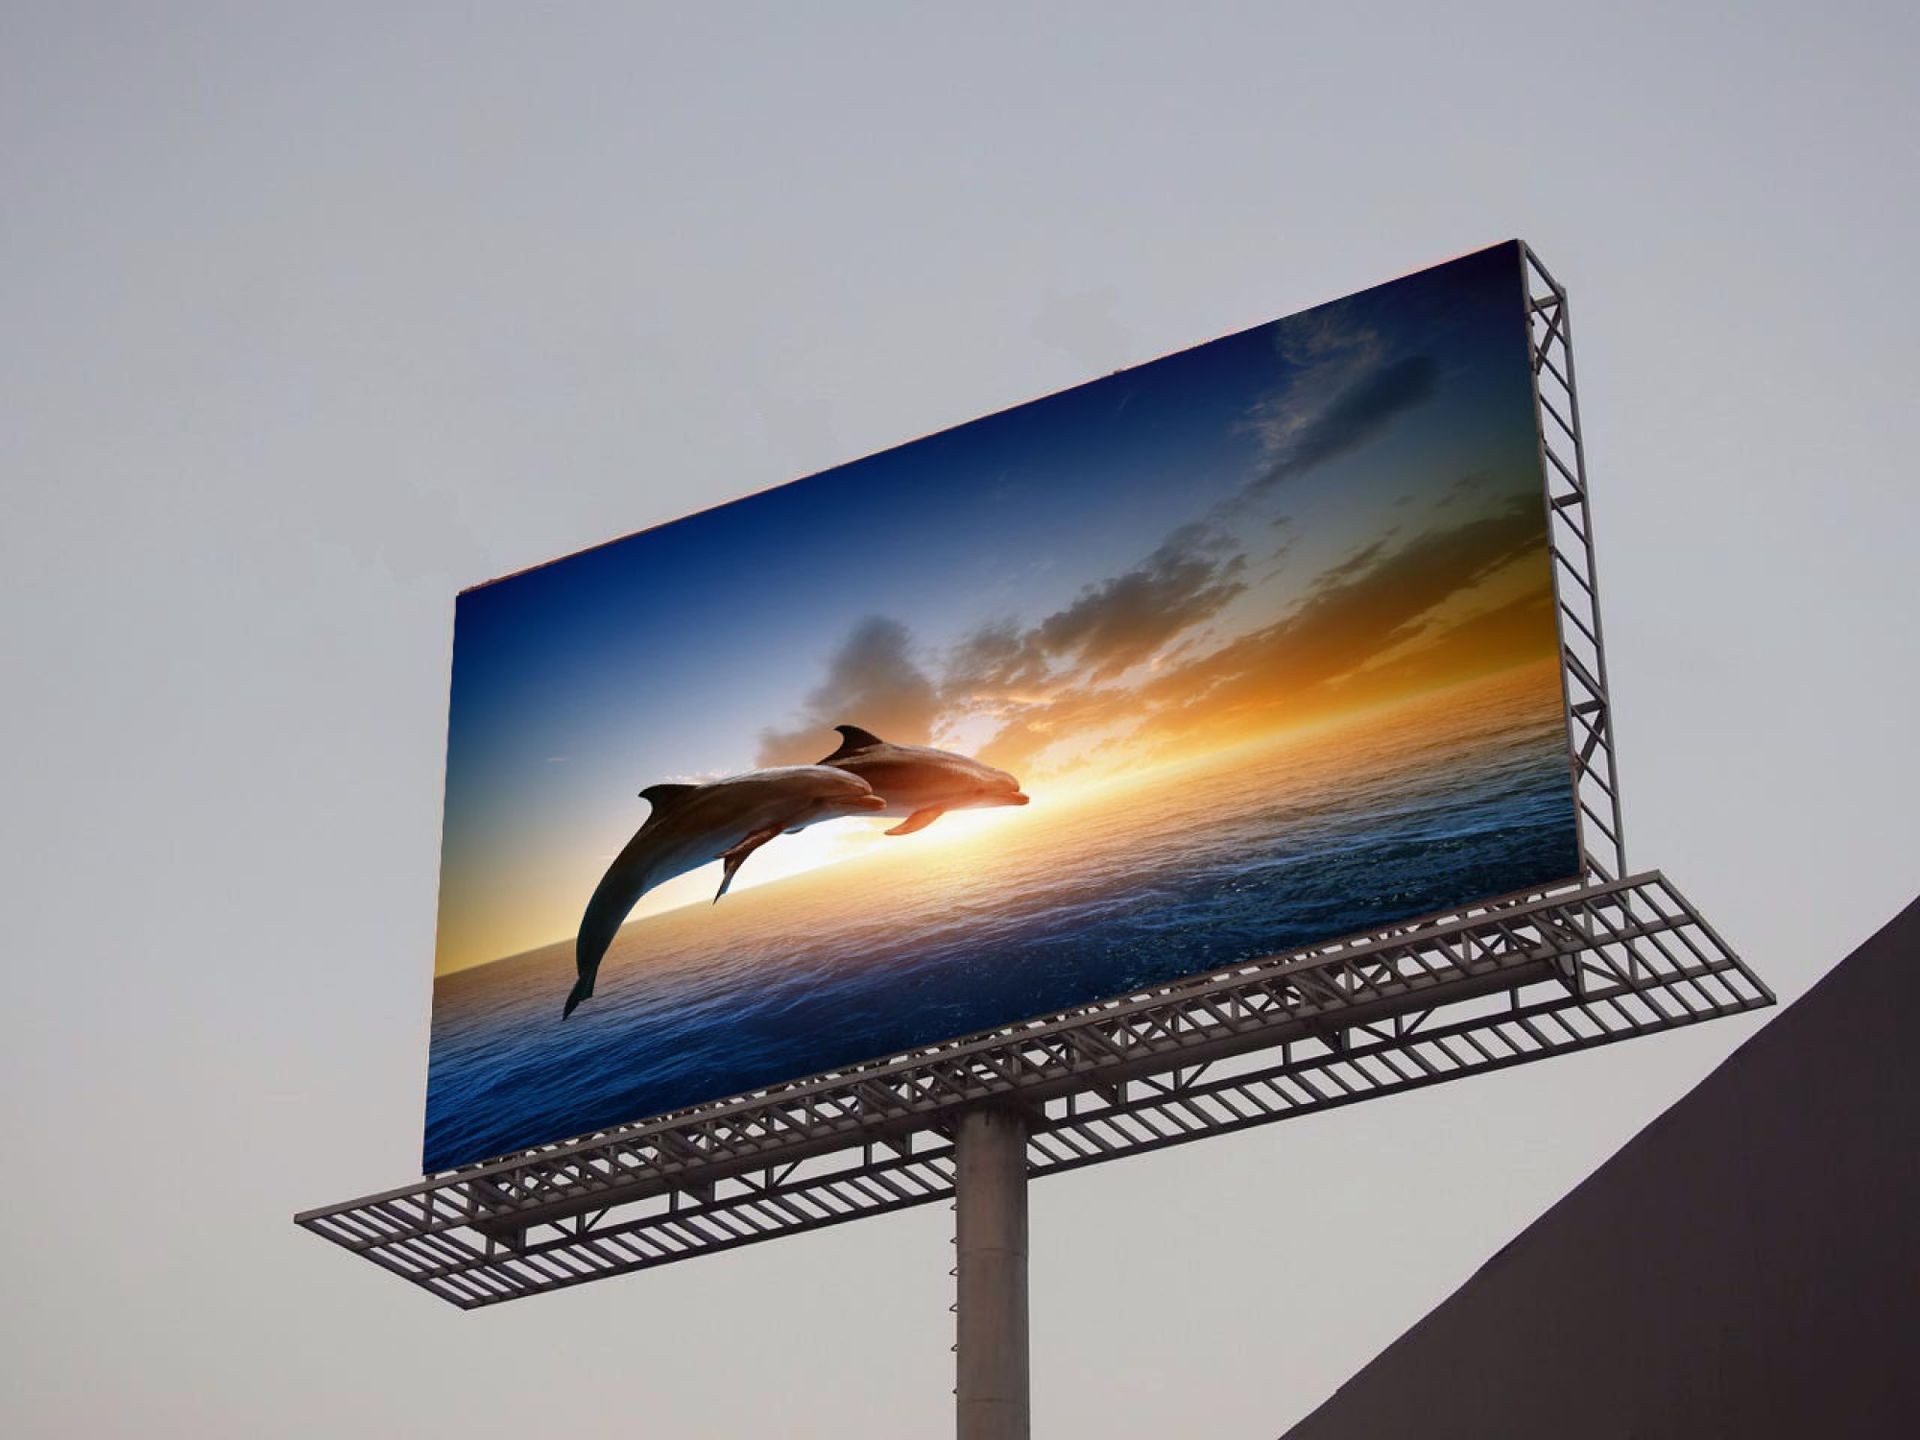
(1016, 405)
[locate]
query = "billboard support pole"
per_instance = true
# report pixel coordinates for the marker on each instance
(990, 1237)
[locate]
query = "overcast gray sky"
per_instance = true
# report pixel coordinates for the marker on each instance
(310, 316)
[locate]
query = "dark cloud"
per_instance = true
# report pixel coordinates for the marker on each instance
(1067, 713)
(1359, 562)
(1366, 606)
(1358, 413)
(1108, 628)
(1465, 486)
(1120, 622)
(1316, 660)
(872, 681)
(997, 663)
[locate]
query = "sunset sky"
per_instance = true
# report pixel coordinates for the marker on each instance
(1304, 518)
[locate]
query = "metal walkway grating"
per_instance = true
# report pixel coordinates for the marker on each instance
(1494, 986)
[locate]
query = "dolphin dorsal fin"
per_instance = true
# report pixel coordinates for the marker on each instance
(661, 795)
(852, 738)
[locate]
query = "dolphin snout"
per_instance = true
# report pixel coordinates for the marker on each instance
(1018, 797)
(867, 802)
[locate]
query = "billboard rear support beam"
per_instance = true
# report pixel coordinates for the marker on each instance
(991, 1392)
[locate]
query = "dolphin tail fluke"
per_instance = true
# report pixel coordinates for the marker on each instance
(582, 989)
(732, 860)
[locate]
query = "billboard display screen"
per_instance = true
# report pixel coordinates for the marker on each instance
(1242, 650)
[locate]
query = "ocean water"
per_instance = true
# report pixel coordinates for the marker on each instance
(1260, 850)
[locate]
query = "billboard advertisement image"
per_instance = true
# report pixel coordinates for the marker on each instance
(1242, 650)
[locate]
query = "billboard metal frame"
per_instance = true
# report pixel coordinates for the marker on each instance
(1576, 584)
(1605, 957)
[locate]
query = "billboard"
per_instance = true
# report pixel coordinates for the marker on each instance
(1242, 650)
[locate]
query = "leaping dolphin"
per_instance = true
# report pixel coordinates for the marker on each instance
(918, 781)
(724, 820)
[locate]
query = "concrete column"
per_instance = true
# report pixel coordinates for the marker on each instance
(991, 1237)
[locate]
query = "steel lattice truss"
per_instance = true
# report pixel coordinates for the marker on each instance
(1583, 661)
(1496, 984)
